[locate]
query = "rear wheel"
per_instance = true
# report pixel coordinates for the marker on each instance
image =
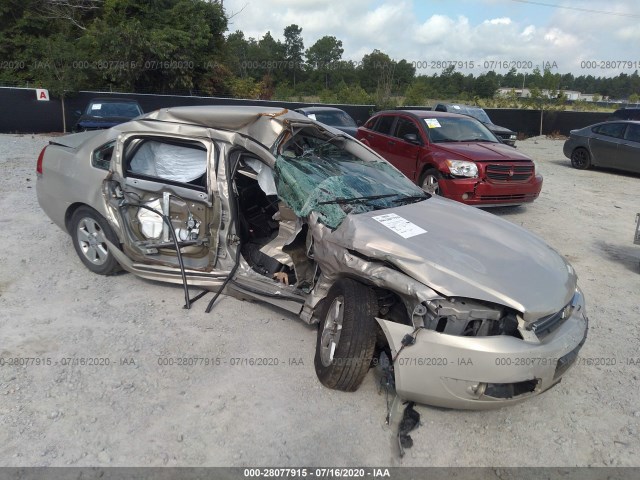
(89, 230)
(346, 335)
(430, 181)
(580, 159)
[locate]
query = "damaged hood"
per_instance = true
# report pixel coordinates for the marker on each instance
(463, 252)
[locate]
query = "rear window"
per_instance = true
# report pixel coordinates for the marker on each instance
(610, 129)
(101, 157)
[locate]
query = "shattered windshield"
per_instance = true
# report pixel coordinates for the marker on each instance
(335, 177)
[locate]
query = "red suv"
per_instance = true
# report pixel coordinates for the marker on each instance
(454, 156)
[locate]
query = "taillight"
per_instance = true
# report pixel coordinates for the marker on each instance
(39, 164)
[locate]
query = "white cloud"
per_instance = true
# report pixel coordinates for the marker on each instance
(499, 21)
(557, 35)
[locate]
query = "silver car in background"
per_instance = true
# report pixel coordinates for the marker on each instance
(263, 203)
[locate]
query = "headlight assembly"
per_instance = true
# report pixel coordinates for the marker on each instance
(461, 168)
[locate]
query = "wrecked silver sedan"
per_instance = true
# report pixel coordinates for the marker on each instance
(262, 203)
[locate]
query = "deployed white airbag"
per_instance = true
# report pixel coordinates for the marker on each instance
(151, 224)
(170, 162)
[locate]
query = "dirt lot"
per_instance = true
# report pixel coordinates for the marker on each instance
(135, 412)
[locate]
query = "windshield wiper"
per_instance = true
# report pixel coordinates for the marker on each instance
(412, 198)
(341, 201)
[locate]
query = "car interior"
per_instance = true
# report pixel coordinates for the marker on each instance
(274, 241)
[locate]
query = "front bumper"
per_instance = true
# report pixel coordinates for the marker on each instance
(474, 191)
(481, 372)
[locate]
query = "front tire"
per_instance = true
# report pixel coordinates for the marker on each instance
(580, 159)
(430, 181)
(346, 335)
(89, 230)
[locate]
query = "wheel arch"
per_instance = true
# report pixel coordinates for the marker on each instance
(70, 211)
(424, 165)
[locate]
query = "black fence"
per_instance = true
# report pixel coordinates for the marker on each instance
(21, 112)
(528, 122)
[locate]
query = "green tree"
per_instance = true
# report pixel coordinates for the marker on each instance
(293, 49)
(158, 46)
(324, 54)
(417, 93)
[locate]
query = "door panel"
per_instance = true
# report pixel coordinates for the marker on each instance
(604, 143)
(629, 149)
(403, 154)
(158, 176)
(604, 150)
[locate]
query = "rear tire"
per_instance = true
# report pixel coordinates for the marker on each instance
(346, 335)
(89, 230)
(581, 159)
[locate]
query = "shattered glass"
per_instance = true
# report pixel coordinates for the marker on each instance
(315, 175)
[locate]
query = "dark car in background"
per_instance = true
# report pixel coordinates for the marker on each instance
(334, 117)
(504, 134)
(452, 155)
(106, 113)
(614, 144)
(632, 113)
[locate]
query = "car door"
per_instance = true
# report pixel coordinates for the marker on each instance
(629, 149)
(379, 136)
(402, 153)
(160, 192)
(604, 143)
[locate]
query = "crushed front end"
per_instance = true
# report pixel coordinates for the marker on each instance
(474, 355)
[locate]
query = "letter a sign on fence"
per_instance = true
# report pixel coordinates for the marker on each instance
(42, 94)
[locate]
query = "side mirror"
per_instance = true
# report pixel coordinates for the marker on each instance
(412, 138)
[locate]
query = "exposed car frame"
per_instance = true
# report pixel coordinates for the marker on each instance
(473, 311)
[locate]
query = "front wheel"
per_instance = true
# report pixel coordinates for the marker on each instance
(346, 335)
(430, 181)
(580, 159)
(89, 230)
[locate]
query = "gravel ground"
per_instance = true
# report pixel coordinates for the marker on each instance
(134, 412)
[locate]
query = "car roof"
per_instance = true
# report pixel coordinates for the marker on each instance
(262, 124)
(228, 117)
(320, 109)
(617, 120)
(459, 105)
(112, 100)
(424, 113)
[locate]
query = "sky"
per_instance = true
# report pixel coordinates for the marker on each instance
(567, 36)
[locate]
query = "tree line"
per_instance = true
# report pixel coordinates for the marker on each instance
(184, 47)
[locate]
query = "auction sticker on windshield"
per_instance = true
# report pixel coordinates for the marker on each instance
(401, 226)
(432, 122)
